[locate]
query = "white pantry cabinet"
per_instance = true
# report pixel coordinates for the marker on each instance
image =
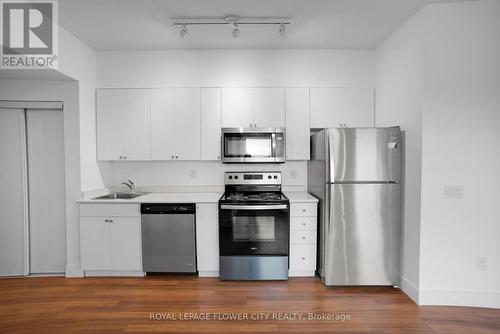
(175, 124)
(110, 237)
(342, 107)
(297, 123)
(207, 239)
(253, 107)
(210, 123)
(123, 124)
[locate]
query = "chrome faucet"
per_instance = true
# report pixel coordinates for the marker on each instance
(129, 185)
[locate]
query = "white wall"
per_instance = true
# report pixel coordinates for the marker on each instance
(398, 85)
(461, 139)
(78, 61)
(224, 68)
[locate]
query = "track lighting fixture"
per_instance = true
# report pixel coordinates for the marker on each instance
(236, 31)
(231, 19)
(183, 31)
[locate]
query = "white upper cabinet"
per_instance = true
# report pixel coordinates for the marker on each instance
(269, 107)
(236, 107)
(210, 123)
(342, 107)
(162, 124)
(297, 123)
(358, 107)
(187, 124)
(175, 124)
(253, 107)
(123, 124)
(326, 107)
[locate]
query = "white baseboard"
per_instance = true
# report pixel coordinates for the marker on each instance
(130, 273)
(301, 273)
(409, 289)
(74, 271)
(472, 298)
(208, 274)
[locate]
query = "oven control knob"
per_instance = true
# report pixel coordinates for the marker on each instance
(275, 177)
(236, 177)
(269, 177)
(230, 177)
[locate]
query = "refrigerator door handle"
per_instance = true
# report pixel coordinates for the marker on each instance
(331, 169)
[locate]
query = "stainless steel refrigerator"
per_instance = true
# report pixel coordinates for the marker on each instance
(355, 173)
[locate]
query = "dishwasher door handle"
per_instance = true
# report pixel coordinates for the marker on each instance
(253, 207)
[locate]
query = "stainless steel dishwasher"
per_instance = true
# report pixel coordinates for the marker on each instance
(168, 238)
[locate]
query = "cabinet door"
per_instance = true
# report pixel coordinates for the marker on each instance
(125, 241)
(269, 107)
(210, 123)
(110, 131)
(123, 124)
(187, 123)
(162, 124)
(95, 243)
(236, 107)
(358, 107)
(297, 124)
(207, 237)
(326, 107)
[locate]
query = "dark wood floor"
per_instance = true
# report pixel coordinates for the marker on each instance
(106, 305)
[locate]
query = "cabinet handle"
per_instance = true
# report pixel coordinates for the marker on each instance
(303, 224)
(111, 220)
(303, 210)
(106, 220)
(177, 157)
(303, 238)
(218, 157)
(303, 258)
(125, 157)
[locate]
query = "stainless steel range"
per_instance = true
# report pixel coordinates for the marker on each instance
(253, 227)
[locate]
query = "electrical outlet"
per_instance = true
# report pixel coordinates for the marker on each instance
(192, 173)
(453, 191)
(481, 264)
(293, 173)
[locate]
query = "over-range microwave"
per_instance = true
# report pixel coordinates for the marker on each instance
(254, 145)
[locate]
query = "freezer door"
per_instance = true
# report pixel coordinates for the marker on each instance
(364, 154)
(361, 238)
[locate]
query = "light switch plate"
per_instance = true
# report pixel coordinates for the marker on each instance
(453, 191)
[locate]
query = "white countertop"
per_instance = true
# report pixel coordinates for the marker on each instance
(300, 196)
(177, 197)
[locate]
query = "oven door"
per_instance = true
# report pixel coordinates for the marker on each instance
(253, 145)
(253, 229)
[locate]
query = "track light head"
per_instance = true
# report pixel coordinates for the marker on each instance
(236, 31)
(282, 30)
(183, 31)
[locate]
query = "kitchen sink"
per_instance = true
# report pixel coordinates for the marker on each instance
(127, 195)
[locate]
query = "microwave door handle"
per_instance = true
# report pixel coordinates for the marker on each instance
(253, 207)
(273, 145)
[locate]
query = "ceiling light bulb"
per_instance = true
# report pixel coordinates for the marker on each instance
(183, 31)
(236, 31)
(282, 30)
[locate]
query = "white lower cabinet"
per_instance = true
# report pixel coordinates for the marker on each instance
(303, 238)
(110, 243)
(207, 239)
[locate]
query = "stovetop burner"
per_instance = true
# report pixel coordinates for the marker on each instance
(264, 196)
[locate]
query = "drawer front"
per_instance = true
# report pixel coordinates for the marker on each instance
(303, 209)
(302, 237)
(303, 223)
(302, 257)
(107, 210)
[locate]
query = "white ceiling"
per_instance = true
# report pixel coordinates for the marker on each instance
(146, 25)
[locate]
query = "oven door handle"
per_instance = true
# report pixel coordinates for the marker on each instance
(253, 207)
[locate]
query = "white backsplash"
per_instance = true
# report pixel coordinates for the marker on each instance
(194, 174)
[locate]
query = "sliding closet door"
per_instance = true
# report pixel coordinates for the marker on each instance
(12, 192)
(47, 227)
